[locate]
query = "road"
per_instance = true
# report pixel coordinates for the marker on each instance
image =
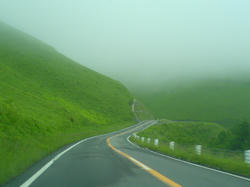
(110, 160)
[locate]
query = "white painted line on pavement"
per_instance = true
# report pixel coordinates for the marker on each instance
(37, 174)
(46, 166)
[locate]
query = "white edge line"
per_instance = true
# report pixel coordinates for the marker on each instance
(37, 174)
(46, 166)
(186, 162)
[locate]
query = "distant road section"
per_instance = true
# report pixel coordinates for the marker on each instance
(110, 160)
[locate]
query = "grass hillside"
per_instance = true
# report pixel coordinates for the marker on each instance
(187, 133)
(47, 101)
(226, 101)
(142, 112)
(202, 133)
(221, 148)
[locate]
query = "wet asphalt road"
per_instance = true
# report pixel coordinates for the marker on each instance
(93, 163)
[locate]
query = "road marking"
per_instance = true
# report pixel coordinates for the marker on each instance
(186, 162)
(156, 174)
(139, 163)
(37, 174)
(28, 182)
(46, 166)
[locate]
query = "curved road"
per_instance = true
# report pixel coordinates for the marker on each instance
(110, 160)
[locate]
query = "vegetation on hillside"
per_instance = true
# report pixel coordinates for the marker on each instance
(223, 100)
(221, 148)
(47, 101)
(236, 138)
(142, 112)
(209, 135)
(187, 133)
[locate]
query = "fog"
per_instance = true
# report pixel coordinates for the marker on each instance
(141, 40)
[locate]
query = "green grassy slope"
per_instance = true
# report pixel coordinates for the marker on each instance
(142, 112)
(47, 101)
(210, 135)
(222, 100)
(187, 133)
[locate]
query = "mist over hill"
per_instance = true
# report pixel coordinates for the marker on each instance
(222, 100)
(142, 41)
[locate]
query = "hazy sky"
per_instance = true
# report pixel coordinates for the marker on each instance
(141, 39)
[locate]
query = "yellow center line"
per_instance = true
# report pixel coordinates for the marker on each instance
(156, 174)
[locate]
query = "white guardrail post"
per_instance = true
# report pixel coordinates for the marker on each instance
(156, 142)
(247, 156)
(149, 140)
(198, 149)
(171, 145)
